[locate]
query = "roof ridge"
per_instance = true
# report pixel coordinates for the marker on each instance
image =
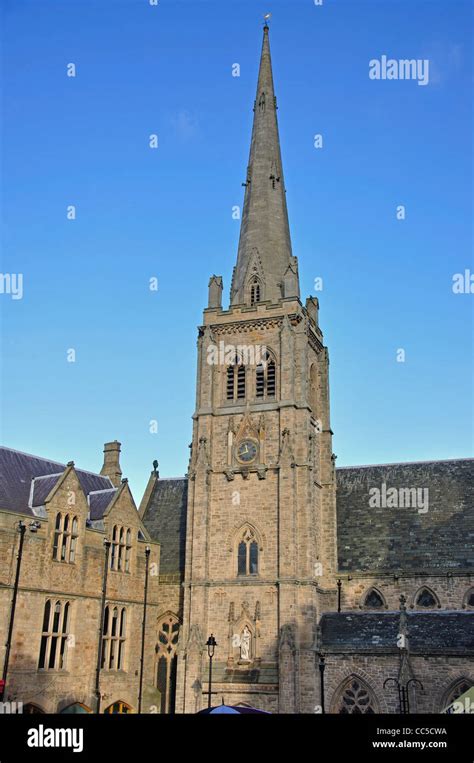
(57, 463)
(47, 476)
(405, 463)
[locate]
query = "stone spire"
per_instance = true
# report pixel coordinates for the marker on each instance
(264, 255)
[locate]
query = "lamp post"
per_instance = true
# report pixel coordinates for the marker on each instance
(339, 584)
(33, 526)
(101, 625)
(142, 658)
(211, 644)
(322, 667)
(403, 696)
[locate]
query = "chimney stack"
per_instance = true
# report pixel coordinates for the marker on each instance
(111, 467)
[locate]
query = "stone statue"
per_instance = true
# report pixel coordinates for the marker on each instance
(245, 644)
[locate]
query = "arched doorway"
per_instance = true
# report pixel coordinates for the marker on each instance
(31, 709)
(119, 707)
(75, 708)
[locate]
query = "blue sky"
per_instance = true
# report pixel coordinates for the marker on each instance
(167, 213)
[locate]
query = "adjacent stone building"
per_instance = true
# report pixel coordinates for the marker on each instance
(65, 515)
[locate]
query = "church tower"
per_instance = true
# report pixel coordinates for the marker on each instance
(261, 517)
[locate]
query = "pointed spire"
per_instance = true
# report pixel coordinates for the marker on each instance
(264, 255)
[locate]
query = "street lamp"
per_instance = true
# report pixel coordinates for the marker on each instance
(34, 526)
(211, 644)
(101, 624)
(322, 667)
(142, 657)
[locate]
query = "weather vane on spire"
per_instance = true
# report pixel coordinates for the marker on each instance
(266, 17)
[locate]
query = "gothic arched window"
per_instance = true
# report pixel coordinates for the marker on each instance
(374, 599)
(255, 291)
(31, 709)
(425, 599)
(235, 389)
(168, 634)
(118, 707)
(355, 698)
(247, 554)
(265, 377)
(469, 599)
(460, 687)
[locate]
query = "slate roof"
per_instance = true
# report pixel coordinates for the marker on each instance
(26, 481)
(165, 520)
(372, 538)
(445, 631)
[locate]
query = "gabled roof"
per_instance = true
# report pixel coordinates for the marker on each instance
(27, 480)
(385, 538)
(370, 631)
(165, 519)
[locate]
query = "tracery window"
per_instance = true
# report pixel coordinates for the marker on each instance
(461, 687)
(54, 635)
(355, 699)
(168, 634)
(425, 599)
(247, 554)
(65, 538)
(373, 600)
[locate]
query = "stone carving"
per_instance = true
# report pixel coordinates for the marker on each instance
(245, 644)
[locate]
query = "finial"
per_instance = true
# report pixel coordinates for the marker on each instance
(266, 17)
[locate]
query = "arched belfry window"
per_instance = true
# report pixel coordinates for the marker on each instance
(247, 553)
(168, 634)
(425, 599)
(255, 291)
(355, 698)
(265, 377)
(235, 382)
(373, 600)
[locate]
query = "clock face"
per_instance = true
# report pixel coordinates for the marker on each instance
(247, 451)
